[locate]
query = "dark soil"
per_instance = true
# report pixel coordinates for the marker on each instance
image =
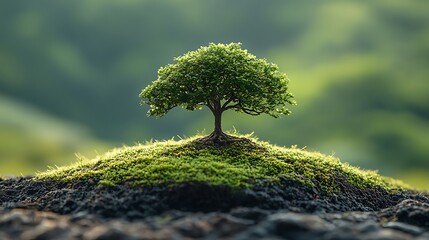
(286, 209)
(131, 202)
(222, 140)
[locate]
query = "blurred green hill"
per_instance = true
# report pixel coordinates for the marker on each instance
(32, 139)
(74, 69)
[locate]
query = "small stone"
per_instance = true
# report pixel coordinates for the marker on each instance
(408, 211)
(387, 234)
(358, 216)
(341, 233)
(78, 216)
(15, 217)
(95, 232)
(367, 226)
(47, 229)
(193, 227)
(253, 214)
(403, 227)
(226, 225)
(424, 236)
(302, 221)
(105, 233)
(85, 223)
(298, 226)
(133, 214)
(258, 232)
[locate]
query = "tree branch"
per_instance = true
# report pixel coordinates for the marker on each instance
(251, 112)
(232, 106)
(227, 102)
(209, 106)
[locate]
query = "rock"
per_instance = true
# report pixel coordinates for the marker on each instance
(106, 233)
(78, 216)
(192, 227)
(242, 223)
(387, 234)
(403, 227)
(252, 214)
(297, 226)
(15, 218)
(45, 232)
(367, 226)
(424, 236)
(408, 211)
(358, 216)
(227, 225)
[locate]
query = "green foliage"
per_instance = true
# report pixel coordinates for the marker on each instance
(239, 165)
(220, 77)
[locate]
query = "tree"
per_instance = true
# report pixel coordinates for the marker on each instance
(221, 77)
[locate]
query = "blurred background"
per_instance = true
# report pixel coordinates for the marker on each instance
(71, 72)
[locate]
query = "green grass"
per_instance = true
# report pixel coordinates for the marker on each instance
(239, 165)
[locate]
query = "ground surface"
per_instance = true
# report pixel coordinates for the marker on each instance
(33, 209)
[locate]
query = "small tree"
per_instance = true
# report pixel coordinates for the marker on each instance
(221, 77)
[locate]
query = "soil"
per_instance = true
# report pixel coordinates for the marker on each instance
(31, 209)
(222, 140)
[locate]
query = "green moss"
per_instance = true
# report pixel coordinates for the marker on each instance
(238, 165)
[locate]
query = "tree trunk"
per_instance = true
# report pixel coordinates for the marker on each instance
(218, 123)
(217, 136)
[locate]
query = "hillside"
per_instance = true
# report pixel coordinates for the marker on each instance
(194, 189)
(241, 164)
(33, 139)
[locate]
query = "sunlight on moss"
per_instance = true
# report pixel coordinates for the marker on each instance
(238, 165)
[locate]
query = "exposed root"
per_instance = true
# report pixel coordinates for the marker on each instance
(218, 138)
(221, 140)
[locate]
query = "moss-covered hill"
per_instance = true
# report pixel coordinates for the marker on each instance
(240, 164)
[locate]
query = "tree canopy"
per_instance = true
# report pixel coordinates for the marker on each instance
(221, 77)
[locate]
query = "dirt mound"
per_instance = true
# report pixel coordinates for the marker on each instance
(139, 202)
(32, 209)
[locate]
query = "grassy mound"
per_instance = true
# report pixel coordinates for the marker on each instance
(240, 164)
